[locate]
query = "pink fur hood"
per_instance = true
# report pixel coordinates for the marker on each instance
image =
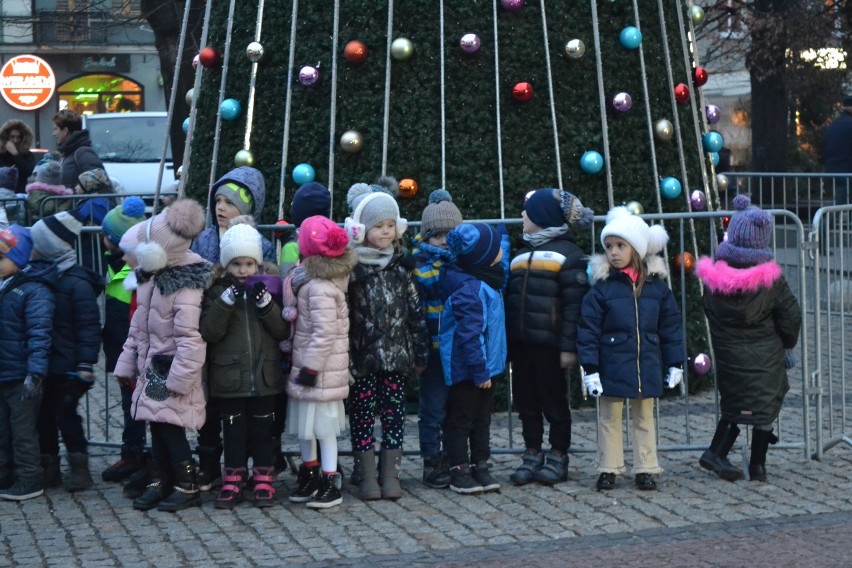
(53, 189)
(724, 279)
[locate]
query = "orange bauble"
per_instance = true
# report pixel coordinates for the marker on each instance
(687, 259)
(355, 52)
(408, 188)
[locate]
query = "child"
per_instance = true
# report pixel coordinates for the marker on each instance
(26, 315)
(439, 218)
(76, 346)
(310, 199)
(753, 319)
(164, 350)
(473, 351)
(242, 326)
(319, 380)
(629, 333)
(547, 283)
(47, 184)
(388, 337)
(116, 223)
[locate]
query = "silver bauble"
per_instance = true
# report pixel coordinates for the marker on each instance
(402, 48)
(575, 49)
(635, 207)
(663, 130)
(254, 51)
(721, 182)
(352, 142)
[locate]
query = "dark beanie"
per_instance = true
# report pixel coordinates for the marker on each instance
(748, 235)
(310, 199)
(474, 244)
(544, 209)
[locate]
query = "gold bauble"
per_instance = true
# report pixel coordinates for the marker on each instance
(402, 48)
(635, 207)
(244, 158)
(663, 130)
(721, 182)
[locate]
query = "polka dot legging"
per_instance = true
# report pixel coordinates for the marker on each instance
(384, 392)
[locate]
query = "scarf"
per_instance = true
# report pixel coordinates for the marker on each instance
(494, 276)
(65, 260)
(545, 235)
(374, 257)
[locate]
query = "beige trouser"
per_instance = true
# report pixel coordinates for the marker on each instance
(610, 457)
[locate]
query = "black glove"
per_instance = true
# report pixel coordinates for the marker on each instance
(261, 295)
(306, 378)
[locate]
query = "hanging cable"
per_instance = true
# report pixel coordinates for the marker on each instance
(443, 106)
(602, 103)
(285, 137)
(497, 107)
(333, 120)
(253, 79)
(386, 124)
(552, 98)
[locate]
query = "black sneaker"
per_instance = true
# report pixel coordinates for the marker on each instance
(481, 475)
(461, 481)
(606, 482)
(328, 495)
(122, 469)
(645, 482)
(530, 464)
(307, 484)
(137, 483)
(436, 474)
(22, 490)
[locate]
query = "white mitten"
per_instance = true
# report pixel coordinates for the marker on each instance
(593, 384)
(674, 378)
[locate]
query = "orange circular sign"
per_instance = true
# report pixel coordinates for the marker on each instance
(27, 82)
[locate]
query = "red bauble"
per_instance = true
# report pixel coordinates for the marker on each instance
(681, 93)
(209, 57)
(725, 222)
(699, 75)
(687, 259)
(355, 52)
(522, 92)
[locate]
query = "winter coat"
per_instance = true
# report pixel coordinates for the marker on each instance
(26, 317)
(24, 161)
(321, 341)
(243, 358)
(753, 318)
(428, 261)
(207, 243)
(38, 192)
(76, 334)
(547, 284)
(630, 341)
(388, 329)
(166, 322)
(472, 328)
(78, 156)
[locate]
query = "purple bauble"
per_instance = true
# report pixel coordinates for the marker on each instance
(713, 114)
(701, 364)
(470, 43)
(308, 76)
(622, 102)
(698, 200)
(512, 5)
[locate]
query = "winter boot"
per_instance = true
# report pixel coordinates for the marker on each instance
(329, 492)
(7, 478)
(123, 468)
(232, 487)
(52, 473)
(554, 470)
(760, 440)
(138, 482)
(365, 472)
(209, 467)
(390, 462)
(159, 486)
(461, 481)
(481, 475)
(715, 458)
(264, 493)
(307, 484)
(186, 492)
(436, 474)
(78, 478)
(531, 463)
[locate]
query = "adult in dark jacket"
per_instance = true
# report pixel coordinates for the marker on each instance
(26, 316)
(16, 139)
(754, 318)
(547, 283)
(75, 146)
(76, 339)
(837, 150)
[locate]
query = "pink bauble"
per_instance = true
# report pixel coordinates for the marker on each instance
(698, 200)
(308, 76)
(702, 364)
(622, 102)
(512, 5)
(470, 43)
(714, 113)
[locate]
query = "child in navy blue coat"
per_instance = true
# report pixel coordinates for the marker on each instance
(628, 339)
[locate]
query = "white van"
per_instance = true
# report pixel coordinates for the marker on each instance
(130, 145)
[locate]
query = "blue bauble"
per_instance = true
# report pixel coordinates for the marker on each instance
(714, 157)
(186, 125)
(303, 173)
(712, 141)
(670, 187)
(230, 109)
(630, 37)
(591, 162)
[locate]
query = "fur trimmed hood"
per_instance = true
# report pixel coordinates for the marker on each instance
(175, 278)
(722, 278)
(47, 188)
(599, 268)
(331, 268)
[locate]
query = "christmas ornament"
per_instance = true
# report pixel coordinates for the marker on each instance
(209, 57)
(591, 162)
(355, 52)
(697, 200)
(308, 76)
(230, 109)
(622, 102)
(470, 43)
(725, 222)
(254, 51)
(408, 188)
(352, 142)
(701, 364)
(188, 96)
(681, 92)
(712, 141)
(635, 207)
(696, 14)
(186, 125)
(575, 49)
(686, 260)
(714, 158)
(670, 187)
(303, 173)
(721, 182)
(663, 130)
(713, 113)
(630, 37)
(512, 5)
(522, 92)
(244, 158)
(195, 60)
(699, 75)
(402, 49)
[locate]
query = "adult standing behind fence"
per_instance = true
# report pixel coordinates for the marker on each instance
(16, 138)
(73, 142)
(837, 150)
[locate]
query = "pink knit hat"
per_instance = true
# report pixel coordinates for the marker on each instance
(321, 236)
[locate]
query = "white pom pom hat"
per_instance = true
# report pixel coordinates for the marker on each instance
(620, 222)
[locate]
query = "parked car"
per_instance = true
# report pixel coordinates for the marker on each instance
(130, 144)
